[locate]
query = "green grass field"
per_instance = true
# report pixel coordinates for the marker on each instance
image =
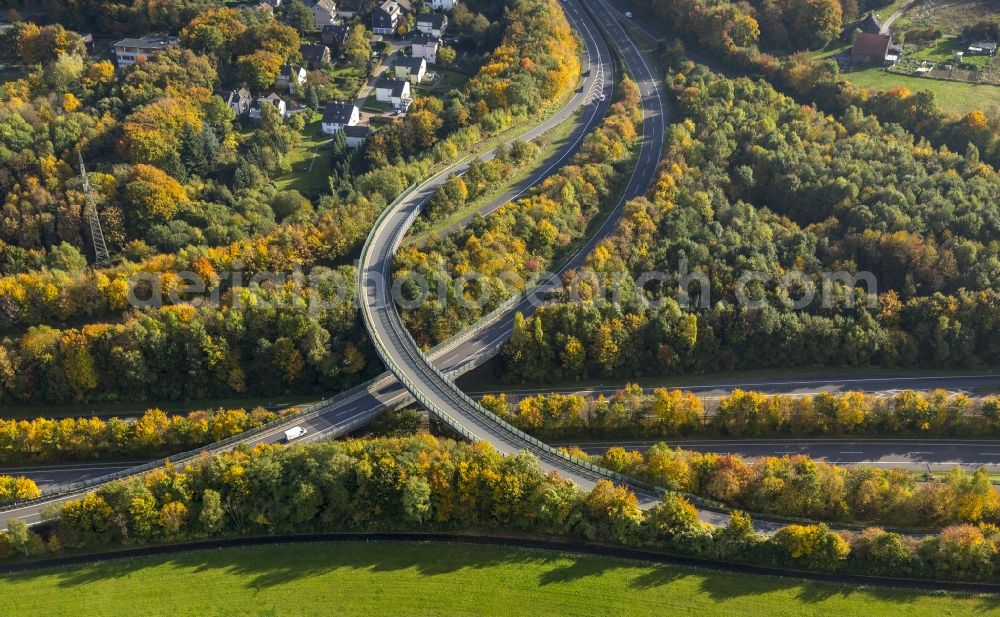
(951, 95)
(949, 16)
(435, 579)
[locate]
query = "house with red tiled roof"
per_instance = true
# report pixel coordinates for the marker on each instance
(871, 48)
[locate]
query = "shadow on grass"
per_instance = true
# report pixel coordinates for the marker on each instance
(262, 567)
(273, 565)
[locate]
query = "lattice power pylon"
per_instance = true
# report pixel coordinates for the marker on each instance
(101, 255)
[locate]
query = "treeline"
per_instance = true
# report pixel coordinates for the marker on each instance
(798, 487)
(734, 33)
(675, 413)
(117, 18)
(69, 291)
(442, 485)
(787, 191)
(260, 339)
(153, 435)
(524, 236)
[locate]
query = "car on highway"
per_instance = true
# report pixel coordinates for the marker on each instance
(294, 433)
(601, 97)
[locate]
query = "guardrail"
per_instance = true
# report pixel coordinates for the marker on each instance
(303, 414)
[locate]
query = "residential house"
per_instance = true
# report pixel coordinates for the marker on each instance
(433, 24)
(426, 47)
(983, 48)
(316, 56)
(870, 23)
(335, 37)
(394, 91)
(443, 5)
(386, 17)
(291, 77)
(412, 69)
(356, 135)
(128, 51)
(237, 100)
(871, 48)
(339, 115)
(270, 99)
(324, 13)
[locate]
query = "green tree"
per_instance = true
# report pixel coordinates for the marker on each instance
(298, 16)
(19, 536)
(357, 48)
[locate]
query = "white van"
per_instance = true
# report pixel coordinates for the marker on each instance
(294, 433)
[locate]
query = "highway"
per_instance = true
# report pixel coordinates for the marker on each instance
(427, 383)
(354, 408)
(930, 454)
(712, 389)
(357, 406)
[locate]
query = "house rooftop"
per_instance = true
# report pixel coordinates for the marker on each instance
(871, 23)
(435, 20)
(341, 30)
(227, 95)
(870, 44)
(413, 64)
(313, 52)
(338, 112)
(150, 41)
(397, 86)
(358, 130)
(291, 70)
(424, 39)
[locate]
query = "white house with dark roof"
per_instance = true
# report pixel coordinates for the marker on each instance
(339, 115)
(386, 17)
(291, 77)
(356, 135)
(426, 47)
(270, 99)
(412, 69)
(394, 91)
(433, 24)
(130, 50)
